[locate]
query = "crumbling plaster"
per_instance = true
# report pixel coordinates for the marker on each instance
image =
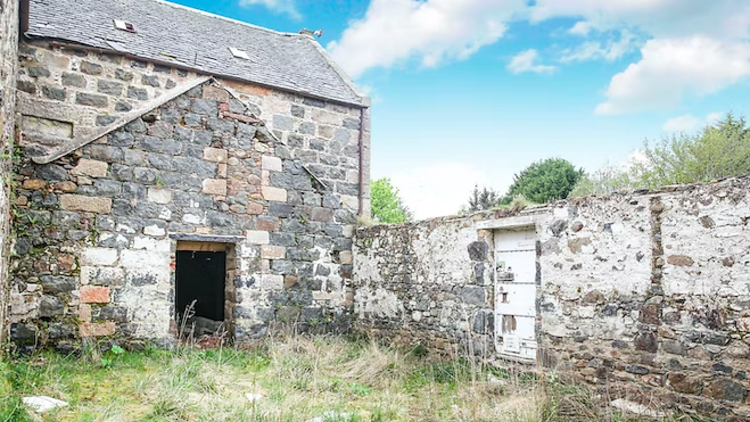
(643, 295)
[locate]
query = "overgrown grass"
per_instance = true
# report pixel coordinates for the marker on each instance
(299, 378)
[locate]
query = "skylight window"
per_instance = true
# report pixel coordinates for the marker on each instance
(240, 54)
(124, 26)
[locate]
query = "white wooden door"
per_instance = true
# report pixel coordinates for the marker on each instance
(515, 293)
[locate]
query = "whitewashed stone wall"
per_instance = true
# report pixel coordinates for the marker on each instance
(644, 295)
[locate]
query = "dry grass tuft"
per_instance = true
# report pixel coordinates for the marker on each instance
(300, 378)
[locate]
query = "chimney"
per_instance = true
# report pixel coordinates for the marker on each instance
(318, 33)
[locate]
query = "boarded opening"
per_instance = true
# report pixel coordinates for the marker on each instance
(200, 280)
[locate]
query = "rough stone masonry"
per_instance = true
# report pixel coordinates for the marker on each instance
(8, 71)
(643, 295)
(276, 173)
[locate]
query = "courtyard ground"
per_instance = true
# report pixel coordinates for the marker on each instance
(294, 379)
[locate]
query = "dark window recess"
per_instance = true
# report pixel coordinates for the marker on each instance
(200, 277)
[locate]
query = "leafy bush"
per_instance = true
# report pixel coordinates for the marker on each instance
(386, 205)
(714, 152)
(544, 181)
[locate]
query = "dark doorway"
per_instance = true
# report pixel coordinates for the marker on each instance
(200, 277)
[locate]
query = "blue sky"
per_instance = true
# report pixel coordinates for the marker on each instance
(472, 91)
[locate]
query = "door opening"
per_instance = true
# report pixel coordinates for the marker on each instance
(200, 287)
(515, 293)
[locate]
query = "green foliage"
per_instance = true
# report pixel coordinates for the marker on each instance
(605, 181)
(716, 151)
(480, 200)
(387, 206)
(544, 181)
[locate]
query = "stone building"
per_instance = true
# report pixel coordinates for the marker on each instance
(168, 155)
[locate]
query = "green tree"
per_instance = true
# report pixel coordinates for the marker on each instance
(716, 151)
(544, 181)
(604, 181)
(484, 199)
(386, 204)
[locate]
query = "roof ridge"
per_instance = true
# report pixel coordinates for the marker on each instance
(356, 90)
(224, 18)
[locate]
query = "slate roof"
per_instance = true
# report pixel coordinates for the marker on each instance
(168, 32)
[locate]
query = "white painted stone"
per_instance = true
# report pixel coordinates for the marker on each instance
(154, 230)
(191, 219)
(98, 256)
(159, 196)
(124, 228)
(272, 281)
(416, 316)
(151, 244)
(257, 237)
(271, 163)
(165, 214)
(94, 275)
(136, 259)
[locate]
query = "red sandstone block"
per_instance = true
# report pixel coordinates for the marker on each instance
(94, 294)
(93, 329)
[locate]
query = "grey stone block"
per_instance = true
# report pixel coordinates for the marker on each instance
(50, 306)
(109, 87)
(140, 94)
(123, 75)
(151, 80)
(205, 107)
(106, 153)
(53, 93)
(73, 79)
(92, 100)
(57, 284)
(91, 68)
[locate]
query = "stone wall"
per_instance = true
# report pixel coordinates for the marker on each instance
(428, 283)
(8, 71)
(643, 295)
(274, 173)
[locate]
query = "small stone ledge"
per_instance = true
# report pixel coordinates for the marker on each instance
(206, 238)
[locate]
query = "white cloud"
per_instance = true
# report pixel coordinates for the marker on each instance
(581, 28)
(435, 190)
(689, 123)
(668, 32)
(277, 6)
(685, 123)
(432, 31)
(608, 50)
(714, 117)
(526, 61)
(660, 18)
(671, 69)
